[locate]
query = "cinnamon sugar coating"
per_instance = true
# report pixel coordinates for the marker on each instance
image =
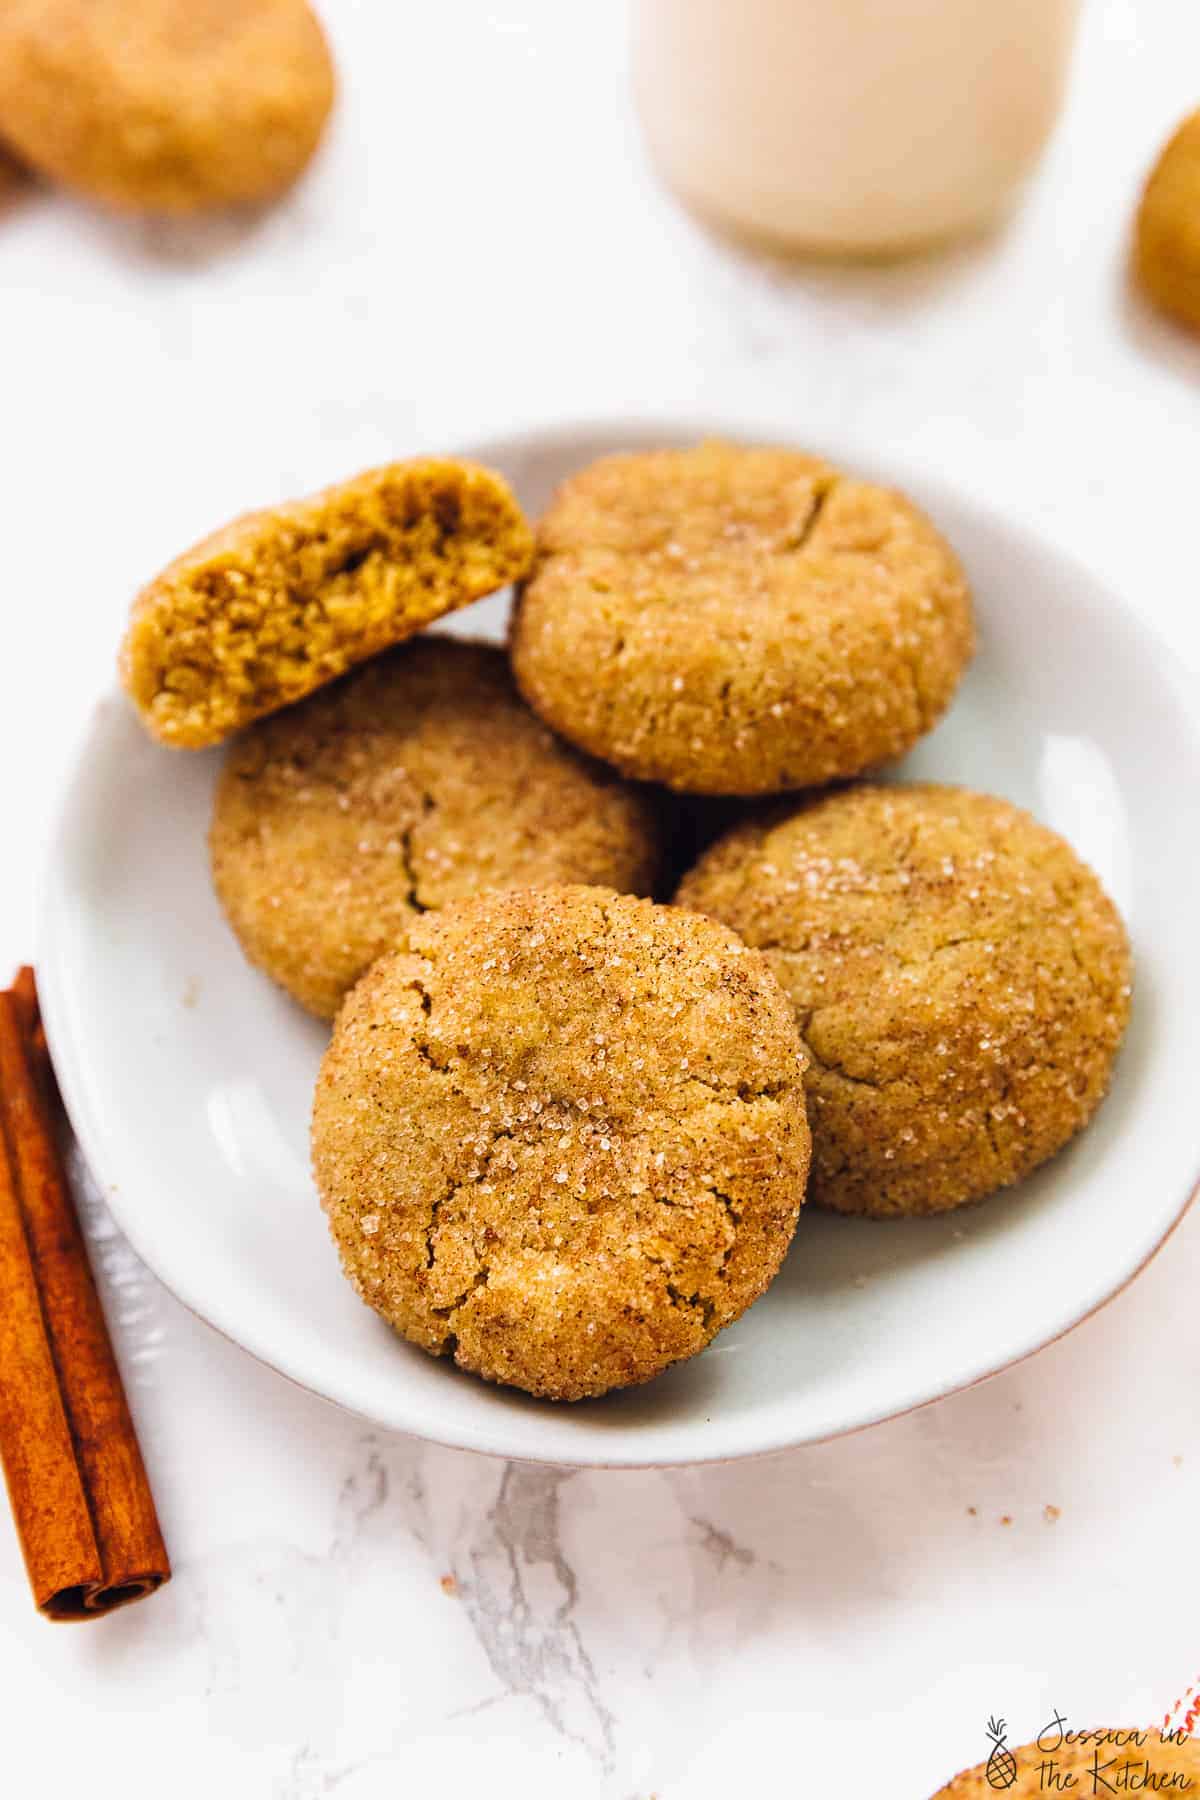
(560, 1136)
(960, 979)
(281, 601)
(419, 779)
(738, 621)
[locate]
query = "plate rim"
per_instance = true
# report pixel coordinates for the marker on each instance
(549, 435)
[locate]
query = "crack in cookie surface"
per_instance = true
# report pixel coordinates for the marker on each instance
(960, 980)
(779, 625)
(418, 780)
(609, 1097)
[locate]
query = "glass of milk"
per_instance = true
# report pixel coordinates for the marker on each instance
(850, 127)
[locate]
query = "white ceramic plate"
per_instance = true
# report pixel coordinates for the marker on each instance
(188, 1076)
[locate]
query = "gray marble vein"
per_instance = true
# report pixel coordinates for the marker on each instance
(522, 1597)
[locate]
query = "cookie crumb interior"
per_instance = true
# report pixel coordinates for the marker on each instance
(286, 599)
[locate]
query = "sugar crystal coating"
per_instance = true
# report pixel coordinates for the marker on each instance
(561, 1136)
(736, 621)
(418, 779)
(960, 979)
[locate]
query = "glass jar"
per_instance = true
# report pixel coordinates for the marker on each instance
(860, 127)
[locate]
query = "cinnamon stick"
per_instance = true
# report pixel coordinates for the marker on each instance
(78, 1487)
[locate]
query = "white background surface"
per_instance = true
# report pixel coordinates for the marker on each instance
(482, 243)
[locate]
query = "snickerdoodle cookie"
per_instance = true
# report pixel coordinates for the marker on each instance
(282, 601)
(163, 106)
(960, 978)
(1167, 246)
(420, 778)
(1120, 1761)
(560, 1136)
(737, 621)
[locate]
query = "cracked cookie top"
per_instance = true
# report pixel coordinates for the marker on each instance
(960, 978)
(419, 779)
(738, 621)
(561, 1136)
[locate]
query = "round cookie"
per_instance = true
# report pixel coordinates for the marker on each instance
(560, 1136)
(151, 105)
(1104, 1762)
(960, 979)
(1167, 248)
(737, 621)
(420, 779)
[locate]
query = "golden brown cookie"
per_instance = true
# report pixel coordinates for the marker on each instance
(282, 601)
(560, 1136)
(419, 779)
(734, 621)
(163, 106)
(1117, 1761)
(960, 979)
(1167, 249)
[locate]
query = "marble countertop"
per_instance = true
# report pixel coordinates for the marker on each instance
(367, 1617)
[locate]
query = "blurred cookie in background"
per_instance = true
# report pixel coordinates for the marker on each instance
(163, 106)
(1167, 244)
(736, 620)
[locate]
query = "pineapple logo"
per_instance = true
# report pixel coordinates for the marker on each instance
(1001, 1768)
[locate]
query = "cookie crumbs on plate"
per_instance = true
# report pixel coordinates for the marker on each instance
(149, 106)
(1167, 242)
